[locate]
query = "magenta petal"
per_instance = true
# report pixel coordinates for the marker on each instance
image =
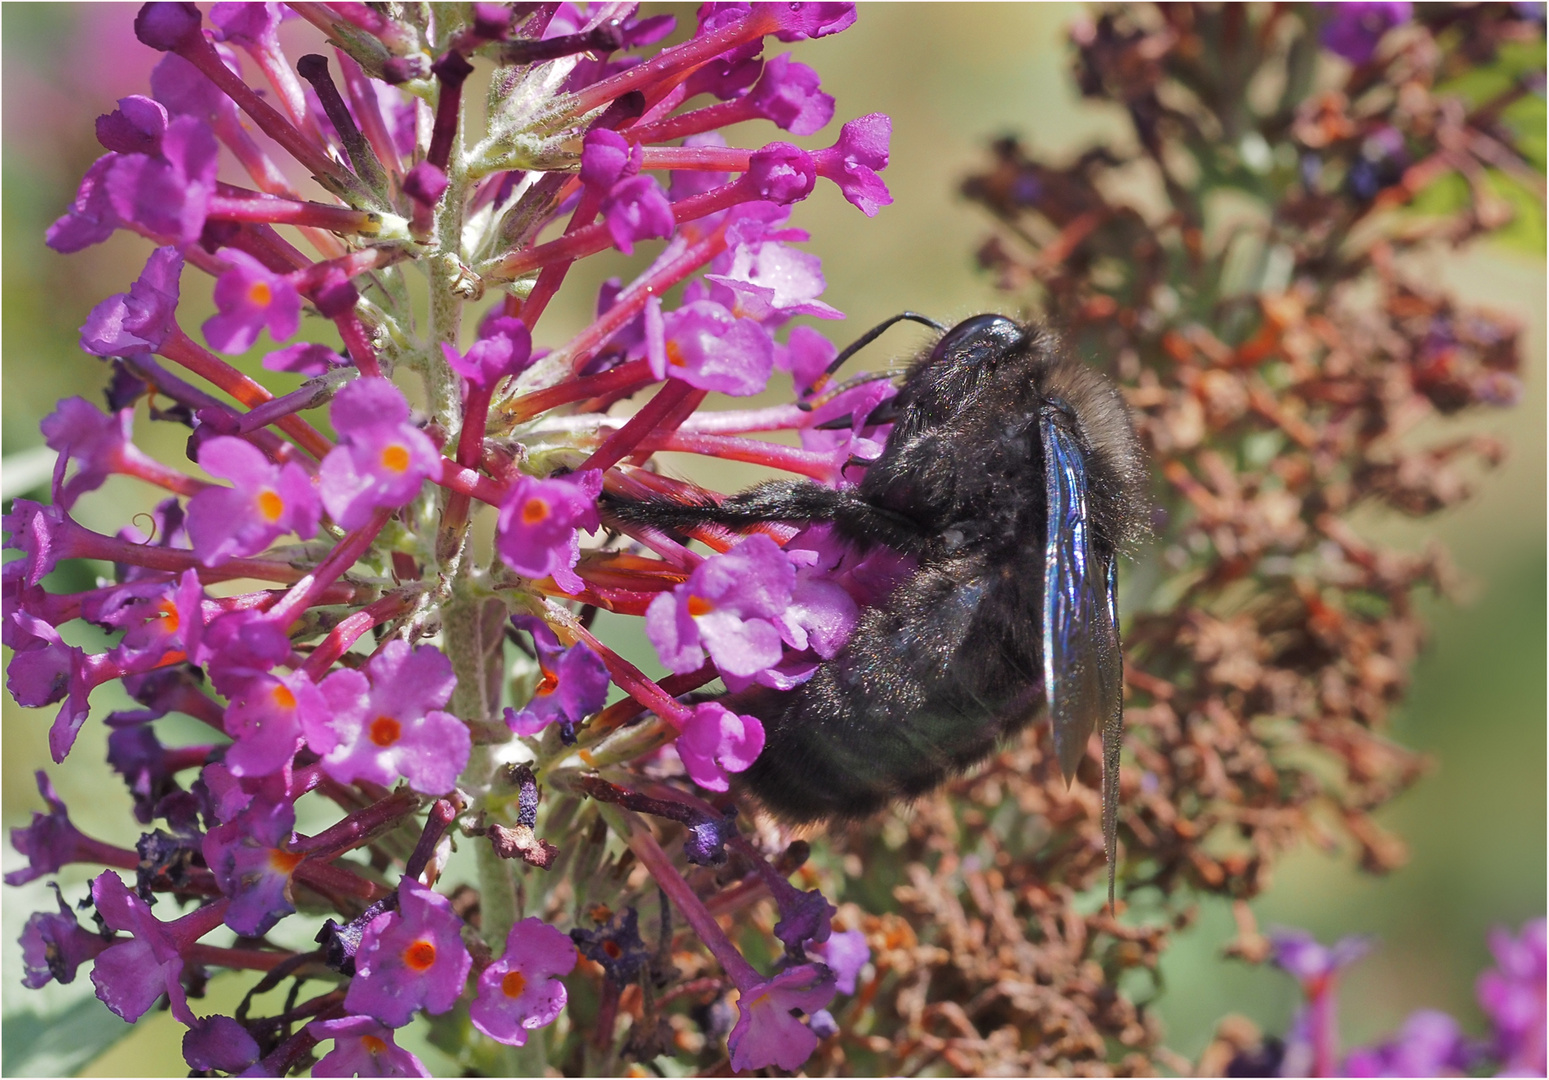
(787, 93)
(267, 501)
(521, 990)
(219, 1042)
(636, 209)
(119, 975)
(393, 729)
(410, 959)
(606, 158)
(411, 680)
(304, 358)
(738, 646)
(140, 320)
(717, 742)
(362, 1047)
(655, 339)
(845, 952)
(799, 21)
(674, 633)
(169, 193)
(383, 459)
(132, 975)
(91, 218)
(853, 162)
(365, 403)
(766, 1032)
(267, 719)
(54, 945)
(251, 24)
(135, 127)
(536, 532)
(250, 298)
(97, 441)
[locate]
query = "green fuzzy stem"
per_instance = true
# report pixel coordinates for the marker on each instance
(497, 898)
(473, 638)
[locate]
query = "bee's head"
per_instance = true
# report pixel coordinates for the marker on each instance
(990, 368)
(948, 379)
(981, 340)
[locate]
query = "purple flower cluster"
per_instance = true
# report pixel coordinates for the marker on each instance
(1430, 1042)
(1353, 30)
(1512, 995)
(314, 587)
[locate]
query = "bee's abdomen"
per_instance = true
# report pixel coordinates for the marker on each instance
(813, 768)
(925, 688)
(804, 774)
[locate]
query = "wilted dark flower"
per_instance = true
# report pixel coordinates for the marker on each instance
(1272, 371)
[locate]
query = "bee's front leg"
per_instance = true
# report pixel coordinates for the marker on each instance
(796, 501)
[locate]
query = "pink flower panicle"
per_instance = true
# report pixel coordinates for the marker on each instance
(332, 581)
(1429, 1042)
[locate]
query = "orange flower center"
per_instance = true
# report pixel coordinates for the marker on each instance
(675, 355)
(385, 730)
(270, 505)
(698, 605)
(283, 697)
(535, 510)
(546, 685)
(169, 616)
(420, 955)
(613, 949)
(373, 1045)
(395, 456)
(513, 984)
(259, 293)
(283, 861)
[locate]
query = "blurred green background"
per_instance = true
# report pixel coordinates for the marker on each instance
(952, 77)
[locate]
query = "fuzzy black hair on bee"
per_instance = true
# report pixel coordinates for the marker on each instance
(1014, 476)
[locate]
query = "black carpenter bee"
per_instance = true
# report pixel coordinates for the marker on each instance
(1014, 476)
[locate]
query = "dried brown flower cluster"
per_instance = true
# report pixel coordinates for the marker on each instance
(1241, 271)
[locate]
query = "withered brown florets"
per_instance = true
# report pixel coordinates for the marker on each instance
(1280, 372)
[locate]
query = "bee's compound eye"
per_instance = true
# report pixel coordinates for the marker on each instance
(981, 338)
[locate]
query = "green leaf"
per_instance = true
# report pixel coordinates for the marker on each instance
(59, 1043)
(55, 1030)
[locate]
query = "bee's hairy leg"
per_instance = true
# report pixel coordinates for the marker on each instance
(775, 500)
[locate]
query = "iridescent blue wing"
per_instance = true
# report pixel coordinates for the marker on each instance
(1082, 667)
(1113, 737)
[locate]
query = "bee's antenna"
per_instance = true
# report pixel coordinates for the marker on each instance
(866, 339)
